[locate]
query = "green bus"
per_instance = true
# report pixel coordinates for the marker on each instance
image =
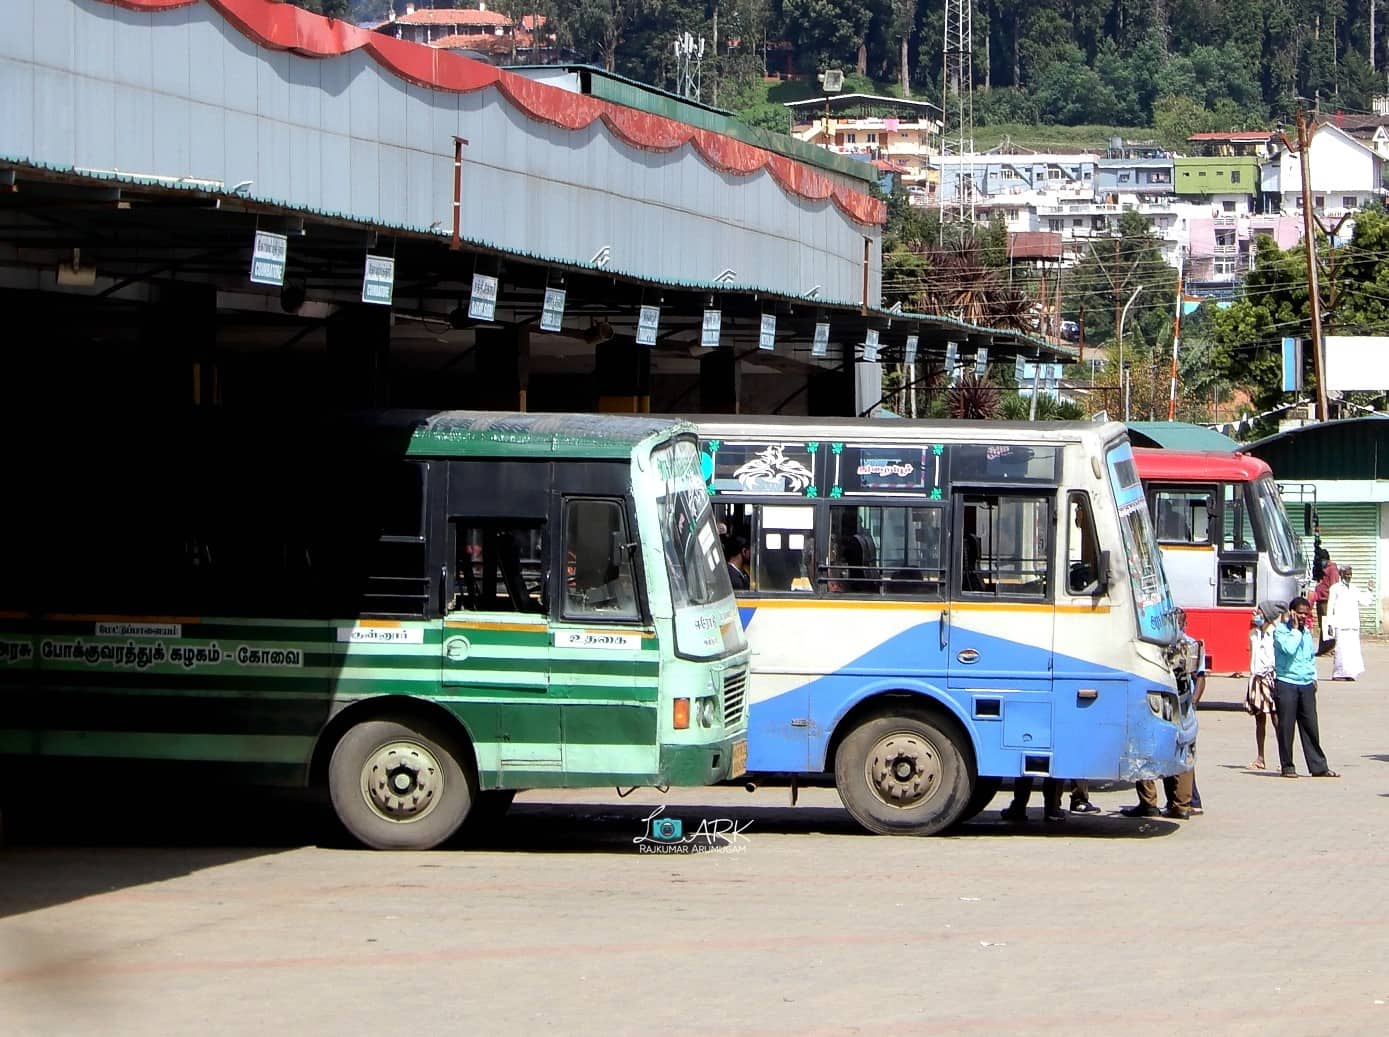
(422, 612)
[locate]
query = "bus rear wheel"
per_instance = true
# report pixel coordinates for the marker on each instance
(399, 784)
(902, 775)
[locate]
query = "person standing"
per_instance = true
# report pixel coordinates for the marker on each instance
(1295, 689)
(1259, 697)
(1321, 596)
(1343, 617)
(737, 555)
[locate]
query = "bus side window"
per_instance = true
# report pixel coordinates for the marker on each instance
(499, 566)
(1082, 546)
(600, 551)
(1183, 516)
(783, 548)
(1005, 545)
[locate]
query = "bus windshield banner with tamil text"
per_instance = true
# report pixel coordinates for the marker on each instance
(1152, 599)
(706, 614)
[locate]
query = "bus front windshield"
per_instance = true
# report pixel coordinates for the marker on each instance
(706, 615)
(1152, 599)
(1284, 551)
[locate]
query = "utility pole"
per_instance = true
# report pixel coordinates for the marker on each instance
(1176, 343)
(1309, 242)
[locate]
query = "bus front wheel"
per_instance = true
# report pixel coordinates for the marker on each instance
(399, 784)
(902, 775)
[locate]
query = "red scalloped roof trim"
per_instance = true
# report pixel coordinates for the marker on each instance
(282, 26)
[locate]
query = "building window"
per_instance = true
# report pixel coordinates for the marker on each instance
(1008, 173)
(1077, 222)
(851, 138)
(1055, 225)
(1349, 202)
(1319, 202)
(1228, 206)
(1123, 178)
(872, 138)
(1053, 174)
(1234, 176)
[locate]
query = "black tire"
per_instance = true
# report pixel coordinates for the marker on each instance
(902, 774)
(985, 789)
(434, 795)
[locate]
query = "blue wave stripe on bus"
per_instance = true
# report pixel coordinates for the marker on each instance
(914, 661)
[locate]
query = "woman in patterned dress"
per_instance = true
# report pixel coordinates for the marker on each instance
(1258, 699)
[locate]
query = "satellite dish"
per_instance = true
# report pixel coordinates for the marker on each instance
(832, 80)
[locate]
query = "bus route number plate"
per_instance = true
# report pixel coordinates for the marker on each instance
(739, 766)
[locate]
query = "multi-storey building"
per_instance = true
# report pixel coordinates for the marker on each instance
(888, 130)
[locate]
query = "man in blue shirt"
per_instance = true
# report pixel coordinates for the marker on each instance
(1295, 689)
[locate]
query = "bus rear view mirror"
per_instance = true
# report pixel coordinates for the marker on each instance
(1102, 577)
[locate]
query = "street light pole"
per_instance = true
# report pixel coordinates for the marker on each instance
(1122, 317)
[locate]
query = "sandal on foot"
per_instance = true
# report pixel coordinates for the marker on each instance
(1289, 772)
(1326, 774)
(1257, 765)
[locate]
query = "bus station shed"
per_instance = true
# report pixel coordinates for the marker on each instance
(1346, 463)
(240, 203)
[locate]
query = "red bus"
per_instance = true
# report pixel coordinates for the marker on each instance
(1226, 543)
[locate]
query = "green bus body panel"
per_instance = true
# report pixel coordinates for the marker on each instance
(257, 692)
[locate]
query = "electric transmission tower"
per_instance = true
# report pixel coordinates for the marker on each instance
(957, 107)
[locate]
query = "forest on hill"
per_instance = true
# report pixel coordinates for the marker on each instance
(1207, 64)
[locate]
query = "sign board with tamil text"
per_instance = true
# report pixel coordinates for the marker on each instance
(378, 280)
(552, 313)
(482, 304)
(647, 324)
(268, 258)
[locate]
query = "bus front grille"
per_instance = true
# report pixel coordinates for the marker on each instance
(735, 683)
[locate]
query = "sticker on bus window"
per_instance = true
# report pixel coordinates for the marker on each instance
(601, 639)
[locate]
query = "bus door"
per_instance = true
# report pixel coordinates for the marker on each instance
(496, 638)
(1237, 581)
(1185, 517)
(1090, 688)
(1001, 620)
(605, 654)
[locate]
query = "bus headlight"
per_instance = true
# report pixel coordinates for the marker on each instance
(706, 711)
(1163, 704)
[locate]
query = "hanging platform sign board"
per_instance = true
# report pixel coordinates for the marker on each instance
(820, 345)
(766, 338)
(647, 324)
(482, 304)
(909, 352)
(268, 258)
(870, 346)
(981, 361)
(552, 313)
(709, 334)
(378, 280)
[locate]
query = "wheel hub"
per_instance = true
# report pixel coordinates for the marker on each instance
(402, 781)
(904, 770)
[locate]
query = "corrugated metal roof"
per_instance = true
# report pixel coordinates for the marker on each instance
(1179, 435)
(1351, 448)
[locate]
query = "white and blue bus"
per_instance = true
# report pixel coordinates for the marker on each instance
(935, 607)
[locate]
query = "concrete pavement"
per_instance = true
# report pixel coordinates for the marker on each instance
(1267, 915)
